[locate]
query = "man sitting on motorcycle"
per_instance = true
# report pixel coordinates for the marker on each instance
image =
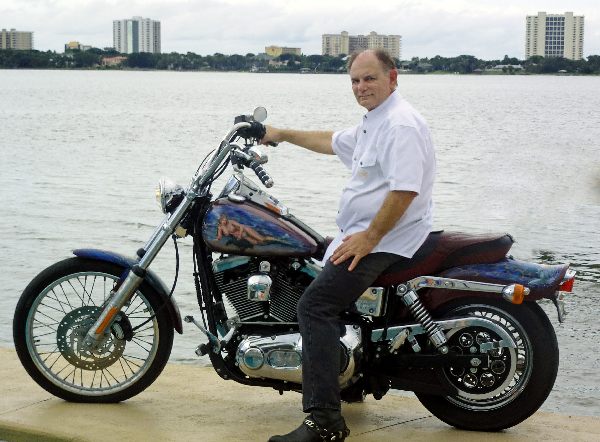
(385, 214)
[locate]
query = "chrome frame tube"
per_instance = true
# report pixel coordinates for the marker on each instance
(436, 282)
(418, 329)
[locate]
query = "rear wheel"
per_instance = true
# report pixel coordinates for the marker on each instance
(53, 316)
(516, 382)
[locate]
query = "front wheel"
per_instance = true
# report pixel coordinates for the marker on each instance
(517, 381)
(53, 316)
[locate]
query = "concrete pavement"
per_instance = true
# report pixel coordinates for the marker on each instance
(190, 403)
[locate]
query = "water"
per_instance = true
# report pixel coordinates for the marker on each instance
(81, 153)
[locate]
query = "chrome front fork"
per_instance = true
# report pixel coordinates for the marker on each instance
(100, 331)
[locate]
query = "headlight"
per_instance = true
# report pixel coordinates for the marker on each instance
(168, 195)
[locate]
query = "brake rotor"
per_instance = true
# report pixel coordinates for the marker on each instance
(71, 333)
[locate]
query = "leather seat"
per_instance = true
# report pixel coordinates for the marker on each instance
(444, 250)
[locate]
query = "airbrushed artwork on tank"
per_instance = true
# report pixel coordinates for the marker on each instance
(246, 229)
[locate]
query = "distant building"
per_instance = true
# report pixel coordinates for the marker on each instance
(276, 51)
(113, 61)
(554, 35)
(136, 35)
(337, 44)
(14, 39)
(76, 46)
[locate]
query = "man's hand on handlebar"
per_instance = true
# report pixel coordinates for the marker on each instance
(271, 137)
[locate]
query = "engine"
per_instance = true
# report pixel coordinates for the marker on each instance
(280, 357)
(285, 281)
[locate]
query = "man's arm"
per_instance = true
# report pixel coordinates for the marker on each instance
(317, 141)
(360, 244)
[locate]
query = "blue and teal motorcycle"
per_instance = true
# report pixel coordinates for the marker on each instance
(458, 324)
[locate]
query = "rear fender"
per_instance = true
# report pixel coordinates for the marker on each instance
(151, 278)
(542, 280)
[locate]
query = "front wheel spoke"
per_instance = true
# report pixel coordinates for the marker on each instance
(103, 376)
(53, 332)
(62, 369)
(123, 368)
(70, 374)
(129, 362)
(50, 353)
(58, 301)
(111, 375)
(138, 308)
(77, 293)
(85, 292)
(92, 289)
(66, 297)
(55, 321)
(135, 341)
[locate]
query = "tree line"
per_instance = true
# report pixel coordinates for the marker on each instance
(463, 64)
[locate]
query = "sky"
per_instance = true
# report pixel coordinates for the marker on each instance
(487, 29)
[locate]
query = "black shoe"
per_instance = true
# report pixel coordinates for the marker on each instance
(310, 431)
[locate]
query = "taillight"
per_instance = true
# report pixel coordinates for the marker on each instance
(566, 286)
(567, 283)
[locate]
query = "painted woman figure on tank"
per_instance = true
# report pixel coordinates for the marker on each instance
(229, 227)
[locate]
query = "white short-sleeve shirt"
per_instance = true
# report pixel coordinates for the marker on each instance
(390, 149)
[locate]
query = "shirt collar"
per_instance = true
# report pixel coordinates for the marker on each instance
(394, 97)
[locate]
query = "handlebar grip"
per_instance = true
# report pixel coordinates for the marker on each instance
(261, 173)
(256, 130)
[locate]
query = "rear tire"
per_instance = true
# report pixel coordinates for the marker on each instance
(530, 376)
(53, 315)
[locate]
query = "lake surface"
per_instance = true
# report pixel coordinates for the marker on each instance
(81, 152)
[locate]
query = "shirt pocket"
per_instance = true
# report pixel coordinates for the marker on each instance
(365, 166)
(367, 159)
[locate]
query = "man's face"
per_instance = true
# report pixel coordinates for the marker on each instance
(371, 84)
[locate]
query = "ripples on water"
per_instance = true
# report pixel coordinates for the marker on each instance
(81, 153)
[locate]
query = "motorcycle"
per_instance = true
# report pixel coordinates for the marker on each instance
(458, 324)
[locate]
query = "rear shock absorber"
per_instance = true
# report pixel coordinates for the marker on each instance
(420, 313)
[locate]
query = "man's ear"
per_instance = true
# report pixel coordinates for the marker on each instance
(394, 77)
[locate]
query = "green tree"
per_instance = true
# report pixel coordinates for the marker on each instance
(142, 60)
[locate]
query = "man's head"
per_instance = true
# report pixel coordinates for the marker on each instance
(374, 77)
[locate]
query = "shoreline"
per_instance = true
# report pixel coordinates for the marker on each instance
(440, 73)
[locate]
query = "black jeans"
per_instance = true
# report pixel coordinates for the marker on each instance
(332, 292)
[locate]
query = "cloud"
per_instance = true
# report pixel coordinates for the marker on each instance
(486, 28)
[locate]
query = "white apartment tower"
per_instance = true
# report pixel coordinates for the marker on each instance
(136, 35)
(554, 35)
(336, 44)
(14, 39)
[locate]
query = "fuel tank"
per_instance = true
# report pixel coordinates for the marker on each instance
(246, 228)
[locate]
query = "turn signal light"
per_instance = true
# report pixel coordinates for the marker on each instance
(515, 293)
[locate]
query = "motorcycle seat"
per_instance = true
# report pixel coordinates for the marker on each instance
(443, 250)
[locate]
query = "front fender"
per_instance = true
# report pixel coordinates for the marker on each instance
(151, 278)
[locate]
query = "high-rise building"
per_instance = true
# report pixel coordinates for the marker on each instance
(276, 51)
(554, 35)
(76, 46)
(14, 39)
(136, 35)
(336, 44)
